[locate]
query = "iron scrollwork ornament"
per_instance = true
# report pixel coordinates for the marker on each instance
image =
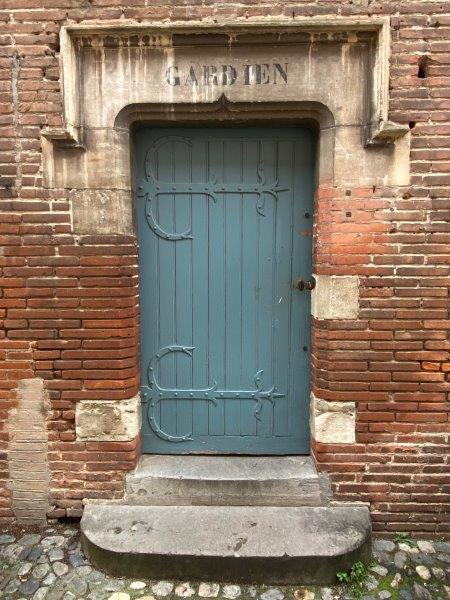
(152, 188)
(154, 393)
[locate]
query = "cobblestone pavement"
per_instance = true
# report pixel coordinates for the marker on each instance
(49, 564)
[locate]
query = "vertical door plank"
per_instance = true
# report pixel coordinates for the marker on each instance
(165, 214)
(266, 287)
(283, 285)
(302, 266)
(200, 303)
(249, 267)
(233, 158)
(215, 280)
(182, 156)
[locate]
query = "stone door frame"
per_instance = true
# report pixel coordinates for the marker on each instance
(70, 153)
(379, 129)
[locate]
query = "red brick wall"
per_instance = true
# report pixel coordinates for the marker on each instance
(394, 360)
(70, 308)
(94, 355)
(72, 302)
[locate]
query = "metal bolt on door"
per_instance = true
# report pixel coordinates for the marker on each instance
(225, 219)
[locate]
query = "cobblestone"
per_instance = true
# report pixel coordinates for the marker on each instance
(231, 592)
(426, 547)
(162, 588)
(138, 585)
(6, 539)
(273, 594)
(400, 559)
(208, 590)
(423, 572)
(49, 565)
(184, 590)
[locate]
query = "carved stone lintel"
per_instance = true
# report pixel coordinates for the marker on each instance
(386, 133)
(98, 114)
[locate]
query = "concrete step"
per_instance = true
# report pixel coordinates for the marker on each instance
(224, 480)
(273, 545)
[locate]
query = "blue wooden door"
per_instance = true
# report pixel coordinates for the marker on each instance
(225, 219)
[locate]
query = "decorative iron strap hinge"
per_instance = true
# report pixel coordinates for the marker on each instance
(154, 393)
(151, 188)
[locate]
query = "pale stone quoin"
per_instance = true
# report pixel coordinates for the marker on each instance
(101, 211)
(108, 420)
(333, 422)
(335, 297)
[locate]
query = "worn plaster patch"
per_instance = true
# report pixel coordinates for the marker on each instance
(335, 297)
(108, 420)
(333, 422)
(28, 452)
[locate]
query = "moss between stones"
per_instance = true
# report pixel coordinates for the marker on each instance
(385, 585)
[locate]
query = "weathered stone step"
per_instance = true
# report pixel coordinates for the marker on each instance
(224, 480)
(291, 545)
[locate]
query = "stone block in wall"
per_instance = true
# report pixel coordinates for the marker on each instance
(108, 420)
(333, 422)
(335, 297)
(99, 211)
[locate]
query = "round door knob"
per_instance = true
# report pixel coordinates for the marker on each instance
(302, 284)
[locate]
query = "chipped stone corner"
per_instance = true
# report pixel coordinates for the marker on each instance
(108, 420)
(333, 422)
(335, 297)
(29, 472)
(102, 211)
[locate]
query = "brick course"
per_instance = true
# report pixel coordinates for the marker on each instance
(69, 304)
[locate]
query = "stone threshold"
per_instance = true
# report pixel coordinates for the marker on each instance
(226, 480)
